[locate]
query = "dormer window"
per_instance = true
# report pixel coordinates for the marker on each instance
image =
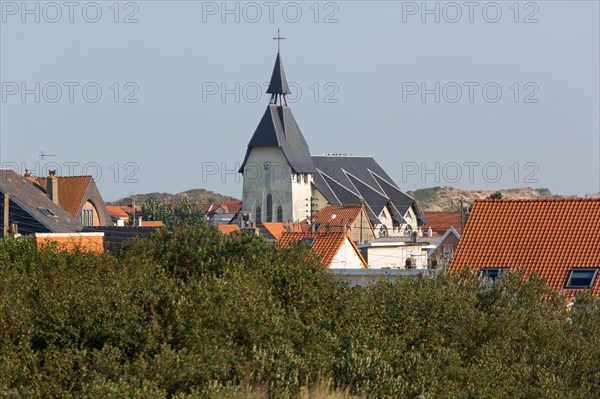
(492, 273)
(582, 278)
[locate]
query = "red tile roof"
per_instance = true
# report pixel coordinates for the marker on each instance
(228, 228)
(545, 236)
(344, 215)
(117, 211)
(233, 206)
(71, 191)
(440, 222)
(325, 245)
(152, 223)
(276, 229)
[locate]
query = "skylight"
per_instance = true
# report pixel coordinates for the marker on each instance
(492, 273)
(581, 278)
(46, 212)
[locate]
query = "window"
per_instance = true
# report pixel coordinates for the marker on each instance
(87, 217)
(581, 278)
(46, 212)
(258, 215)
(279, 214)
(269, 208)
(492, 273)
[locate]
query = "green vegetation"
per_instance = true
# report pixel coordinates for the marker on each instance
(173, 213)
(197, 195)
(495, 196)
(192, 313)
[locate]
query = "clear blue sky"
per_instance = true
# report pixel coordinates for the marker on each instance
(362, 67)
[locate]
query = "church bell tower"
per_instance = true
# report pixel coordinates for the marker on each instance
(277, 169)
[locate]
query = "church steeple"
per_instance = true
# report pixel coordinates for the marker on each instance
(278, 86)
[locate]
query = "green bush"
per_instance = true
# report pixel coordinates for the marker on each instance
(192, 313)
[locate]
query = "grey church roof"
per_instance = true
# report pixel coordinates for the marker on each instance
(31, 209)
(278, 83)
(278, 127)
(344, 179)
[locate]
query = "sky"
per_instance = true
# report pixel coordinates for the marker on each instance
(164, 96)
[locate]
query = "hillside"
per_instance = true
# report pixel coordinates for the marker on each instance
(447, 199)
(435, 199)
(198, 195)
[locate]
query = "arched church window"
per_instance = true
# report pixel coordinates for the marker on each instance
(258, 215)
(279, 214)
(269, 208)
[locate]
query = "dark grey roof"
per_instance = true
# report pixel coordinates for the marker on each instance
(363, 177)
(278, 83)
(25, 203)
(278, 128)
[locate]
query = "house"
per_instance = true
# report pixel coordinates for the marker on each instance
(29, 210)
(282, 182)
(396, 253)
(119, 216)
(77, 195)
(335, 249)
(224, 213)
(558, 239)
(440, 222)
(443, 251)
(352, 218)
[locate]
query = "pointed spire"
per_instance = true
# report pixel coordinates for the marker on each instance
(278, 85)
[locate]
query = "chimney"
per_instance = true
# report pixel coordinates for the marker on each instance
(52, 186)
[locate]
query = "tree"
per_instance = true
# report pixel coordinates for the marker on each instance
(173, 213)
(495, 196)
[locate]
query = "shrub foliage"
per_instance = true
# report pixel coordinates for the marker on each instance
(191, 313)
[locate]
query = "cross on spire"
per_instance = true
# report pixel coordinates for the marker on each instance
(279, 39)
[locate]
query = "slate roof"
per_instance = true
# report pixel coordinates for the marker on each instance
(325, 245)
(25, 201)
(343, 180)
(278, 127)
(278, 83)
(544, 236)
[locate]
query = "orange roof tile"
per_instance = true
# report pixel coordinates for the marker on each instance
(152, 223)
(71, 191)
(276, 229)
(440, 222)
(117, 211)
(544, 236)
(325, 245)
(227, 228)
(344, 215)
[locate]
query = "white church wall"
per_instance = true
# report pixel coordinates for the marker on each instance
(301, 197)
(259, 181)
(267, 171)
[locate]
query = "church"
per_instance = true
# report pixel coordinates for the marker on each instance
(283, 182)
